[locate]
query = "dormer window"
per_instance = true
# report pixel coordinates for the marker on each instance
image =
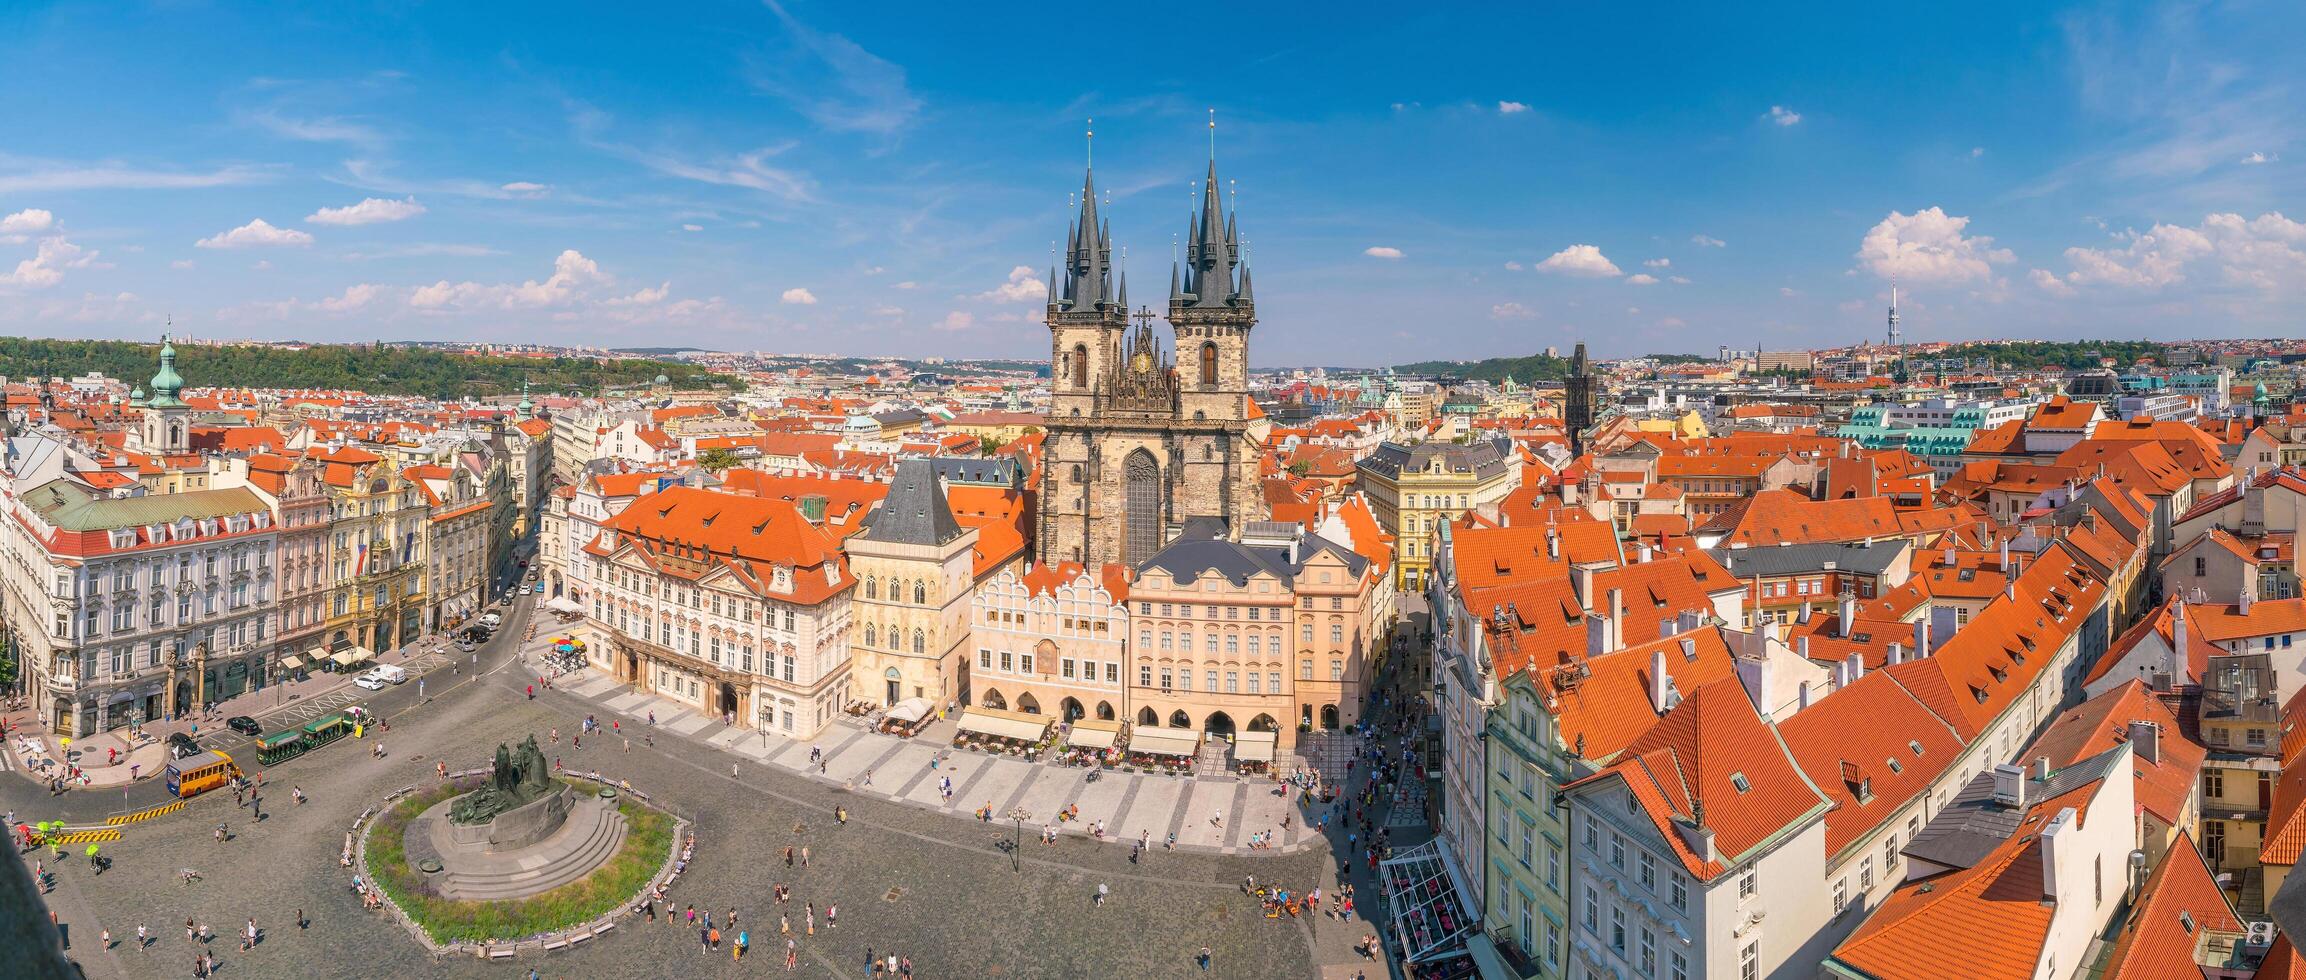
(1738, 780)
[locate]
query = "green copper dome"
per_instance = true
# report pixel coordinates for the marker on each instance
(167, 383)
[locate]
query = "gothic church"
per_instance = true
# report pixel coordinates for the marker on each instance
(1143, 437)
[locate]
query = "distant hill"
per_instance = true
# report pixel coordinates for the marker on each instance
(2026, 354)
(385, 371)
(663, 351)
(1535, 367)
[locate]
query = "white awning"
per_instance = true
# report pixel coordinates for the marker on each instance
(291, 662)
(1004, 724)
(562, 603)
(1165, 741)
(346, 658)
(1092, 733)
(1255, 746)
(911, 710)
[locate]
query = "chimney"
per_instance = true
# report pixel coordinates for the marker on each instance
(1584, 583)
(2005, 556)
(1552, 545)
(1568, 494)
(2178, 657)
(1657, 681)
(2041, 767)
(1941, 627)
(1754, 674)
(2146, 741)
(1921, 638)
(1802, 695)
(2053, 834)
(2010, 586)
(1804, 642)
(1948, 558)
(1849, 615)
(2010, 785)
(1803, 616)
(1857, 664)
(1616, 608)
(2243, 606)
(1897, 654)
(1644, 554)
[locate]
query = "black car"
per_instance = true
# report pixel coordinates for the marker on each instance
(181, 745)
(243, 724)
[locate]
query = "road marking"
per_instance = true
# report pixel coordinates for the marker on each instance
(161, 810)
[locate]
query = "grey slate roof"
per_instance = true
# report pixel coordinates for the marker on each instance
(1482, 458)
(915, 510)
(1970, 827)
(1188, 558)
(996, 471)
(1795, 559)
(70, 507)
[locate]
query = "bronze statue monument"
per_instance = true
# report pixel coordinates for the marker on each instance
(521, 776)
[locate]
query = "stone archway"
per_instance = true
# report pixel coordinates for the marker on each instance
(1028, 704)
(994, 700)
(1104, 711)
(1178, 719)
(1147, 719)
(1264, 723)
(728, 701)
(1218, 723)
(1069, 709)
(1329, 717)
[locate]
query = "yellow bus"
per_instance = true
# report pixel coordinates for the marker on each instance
(194, 775)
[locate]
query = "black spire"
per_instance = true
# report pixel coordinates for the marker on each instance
(1211, 253)
(1088, 281)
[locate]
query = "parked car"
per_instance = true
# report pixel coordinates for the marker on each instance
(243, 724)
(369, 682)
(539, 588)
(491, 619)
(181, 745)
(467, 646)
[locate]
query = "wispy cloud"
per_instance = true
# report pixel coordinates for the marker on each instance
(1782, 116)
(749, 170)
(833, 81)
(1382, 252)
(314, 129)
(1512, 108)
(369, 211)
(21, 175)
(255, 234)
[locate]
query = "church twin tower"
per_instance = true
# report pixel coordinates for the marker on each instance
(1142, 442)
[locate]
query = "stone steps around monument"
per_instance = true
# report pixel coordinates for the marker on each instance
(564, 865)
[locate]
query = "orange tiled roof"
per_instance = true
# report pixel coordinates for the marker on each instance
(702, 531)
(1605, 706)
(1873, 749)
(2155, 944)
(2166, 784)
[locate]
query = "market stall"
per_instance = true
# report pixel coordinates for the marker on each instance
(1253, 752)
(997, 730)
(345, 659)
(906, 717)
(1165, 749)
(1095, 739)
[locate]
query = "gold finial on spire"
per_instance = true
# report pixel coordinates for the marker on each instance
(1212, 135)
(1089, 139)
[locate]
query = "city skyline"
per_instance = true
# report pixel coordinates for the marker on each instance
(797, 177)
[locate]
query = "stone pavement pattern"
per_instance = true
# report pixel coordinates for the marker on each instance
(907, 879)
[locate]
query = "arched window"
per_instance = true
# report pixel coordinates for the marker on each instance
(1208, 365)
(920, 642)
(872, 588)
(1142, 508)
(1147, 718)
(920, 593)
(871, 635)
(1080, 365)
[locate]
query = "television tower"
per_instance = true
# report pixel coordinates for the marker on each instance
(1893, 313)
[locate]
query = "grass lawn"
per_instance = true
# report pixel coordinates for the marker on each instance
(648, 839)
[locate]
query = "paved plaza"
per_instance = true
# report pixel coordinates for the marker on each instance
(911, 875)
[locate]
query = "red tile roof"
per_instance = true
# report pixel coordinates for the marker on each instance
(2156, 943)
(1873, 749)
(2164, 785)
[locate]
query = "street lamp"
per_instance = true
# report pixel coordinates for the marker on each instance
(1019, 814)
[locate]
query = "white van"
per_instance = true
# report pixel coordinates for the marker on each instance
(390, 674)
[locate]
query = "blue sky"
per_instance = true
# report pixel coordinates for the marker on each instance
(1439, 180)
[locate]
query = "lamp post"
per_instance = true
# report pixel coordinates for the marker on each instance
(1020, 815)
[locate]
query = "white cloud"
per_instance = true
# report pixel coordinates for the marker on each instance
(887, 310)
(319, 129)
(47, 265)
(1707, 241)
(1583, 261)
(644, 297)
(908, 284)
(262, 265)
(1513, 266)
(692, 227)
(181, 264)
(27, 221)
(1022, 287)
(354, 297)
(1929, 246)
(2259, 157)
(956, 320)
(525, 188)
(1977, 151)
(1659, 263)
(1672, 321)
(369, 211)
(1783, 116)
(1788, 292)
(1641, 279)
(798, 296)
(1510, 108)
(1511, 311)
(255, 233)
(1678, 280)
(2050, 283)
(1633, 311)
(573, 276)
(1382, 252)
(2265, 252)
(834, 81)
(49, 176)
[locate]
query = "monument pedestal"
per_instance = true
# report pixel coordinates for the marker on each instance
(538, 846)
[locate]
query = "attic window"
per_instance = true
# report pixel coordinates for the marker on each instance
(1862, 637)
(2186, 921)
(1896, 766)
(1978, 694)
(1738, 779)
(1915, 745)
(1968, 575)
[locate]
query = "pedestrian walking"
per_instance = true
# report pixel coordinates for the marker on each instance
(296, 793)
(744, 941)
(804, 855)
(1100, 894)
(1202, 958)
(788, 855)
(704, 941)
(832, 913)
(792, 955)
(810, 919)
(143, 938)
